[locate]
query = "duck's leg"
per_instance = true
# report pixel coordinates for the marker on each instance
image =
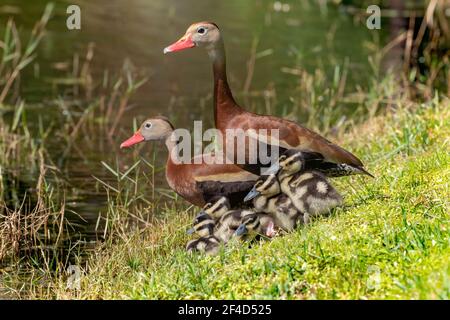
(306, 218)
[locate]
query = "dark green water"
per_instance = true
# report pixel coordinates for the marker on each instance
(303, 36)
(306, 36)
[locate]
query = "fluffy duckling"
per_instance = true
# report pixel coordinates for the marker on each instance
(216, 209)
(267, 197)
(228, 224)
(216, 219)
(310, 191)
(209, 245)
(203, 225)
(256, 224)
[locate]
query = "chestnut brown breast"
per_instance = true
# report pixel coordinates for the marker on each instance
(199, 183)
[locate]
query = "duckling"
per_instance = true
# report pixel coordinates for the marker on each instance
(209, 245)
(228, 224)
(216, 208)
(256, 224)
(217, 220)
(203, 225)
(289, 163)
(267, 197)
(310, 191)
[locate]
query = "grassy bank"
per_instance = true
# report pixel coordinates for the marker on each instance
(391, 240)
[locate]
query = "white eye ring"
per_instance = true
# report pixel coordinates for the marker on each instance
(148, 125)
(202, 30)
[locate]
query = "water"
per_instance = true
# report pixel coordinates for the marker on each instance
(304, 36)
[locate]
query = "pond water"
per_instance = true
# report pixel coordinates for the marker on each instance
(292, 34)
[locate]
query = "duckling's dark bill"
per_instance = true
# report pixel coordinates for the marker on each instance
(251, 195)
(242, 229)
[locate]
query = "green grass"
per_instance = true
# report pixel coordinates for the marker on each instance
(389, 241)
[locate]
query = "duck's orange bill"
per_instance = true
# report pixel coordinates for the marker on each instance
(136, 138)
(184, 43)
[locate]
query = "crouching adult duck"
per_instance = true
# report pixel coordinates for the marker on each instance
(196, 181)
(333, 159)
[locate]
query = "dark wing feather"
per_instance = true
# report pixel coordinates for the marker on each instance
(294, 136)
(235, 191)
(334, 169)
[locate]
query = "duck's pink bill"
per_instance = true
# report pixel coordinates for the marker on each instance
(136, 138)
(183, 43)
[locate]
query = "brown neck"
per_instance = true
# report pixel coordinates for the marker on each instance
(179, 174)
(225, 106)
(172, 148)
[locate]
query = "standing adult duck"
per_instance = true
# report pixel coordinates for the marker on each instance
(229, 115)
(199, 182)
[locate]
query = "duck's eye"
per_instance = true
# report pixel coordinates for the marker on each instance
(148, 125)
(201, 30)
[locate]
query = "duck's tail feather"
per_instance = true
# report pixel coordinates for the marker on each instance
(364, 171)
(336, 169)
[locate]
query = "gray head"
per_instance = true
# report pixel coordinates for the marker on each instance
(201, 34)
(156, 128)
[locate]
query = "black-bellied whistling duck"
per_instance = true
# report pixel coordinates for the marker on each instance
(256, 224)
(207, 242)
(267, 197)
(209, 245)
(203, 225)
(198, 183)
(217, 208)
(310, 191)
(229, 115)
(228, 223)
(225, 227)
(223, 220)
(216, 218)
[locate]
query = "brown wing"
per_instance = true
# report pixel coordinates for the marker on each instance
(293, 135)
(234, 191)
